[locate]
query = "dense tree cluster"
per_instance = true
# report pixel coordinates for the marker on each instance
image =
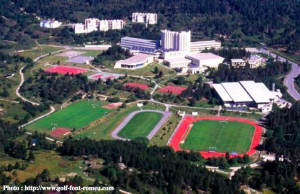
(236, 19)
(113, 53)
(280, 177)
(283, 136)
(230, 53)
(167, 171)
(55, 88)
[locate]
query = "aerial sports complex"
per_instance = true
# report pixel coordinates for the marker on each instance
(214, 136)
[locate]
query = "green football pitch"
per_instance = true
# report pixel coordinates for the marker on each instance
(140, 125)
(76, 116)
(230, 136)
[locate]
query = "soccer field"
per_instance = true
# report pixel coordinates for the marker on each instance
(76, 116)
(140, 125)
(231, 137)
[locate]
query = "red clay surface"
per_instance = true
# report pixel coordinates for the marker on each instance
(187, 120)
(97, 76)
(136, 85)
(111, 77)
(113, 105)
(65, 70)
(59, 132)
(172, 89)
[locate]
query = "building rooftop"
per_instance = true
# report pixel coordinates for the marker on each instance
(254, 58)
(138, 39)
(135, 59)
(205, 56)
(205, 42)
(238, 61)
(258, 91)
(236, 92)
(183, 60)
(222, 93)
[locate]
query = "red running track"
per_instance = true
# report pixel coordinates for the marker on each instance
(136, 85)
(172, 89)
(65, 70)
(187, 120)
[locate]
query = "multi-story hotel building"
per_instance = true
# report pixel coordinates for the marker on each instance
(175, 41)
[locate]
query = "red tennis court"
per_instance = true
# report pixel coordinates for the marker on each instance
(136, 85)
(59, 132)
(65, 70)
(97, 76)
(172, 89)
(187, 120)
(109, 77)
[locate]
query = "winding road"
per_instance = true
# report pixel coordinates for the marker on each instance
(290, 78)
(131, 115)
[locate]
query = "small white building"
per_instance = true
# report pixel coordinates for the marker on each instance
(134, 62)
(50, 24)
(148, 18)
(205, 60)
(238, 62)
(254, 61)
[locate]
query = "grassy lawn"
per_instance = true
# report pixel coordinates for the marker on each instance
(140, 125)
(76, 115)
(90, 53)
(38, 51)
(103, 129)
(233, 136)
(163, 135)
(146, 71)
(11, 112)
(56, 164)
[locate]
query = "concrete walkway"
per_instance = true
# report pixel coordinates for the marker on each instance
(131, 115)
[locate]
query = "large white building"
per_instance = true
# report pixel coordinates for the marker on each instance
(175, 41)
(134, 62)
(239, 95)
(205, 60)
(202, 45)
(140, 45)
(94, 24)
(50, 24)
(148, 18)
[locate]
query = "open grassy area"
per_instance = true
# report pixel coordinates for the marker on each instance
(140, 125)
(104, 129)
(56, 164)
(226, 137)
(38, 51)
(76, 115)
(11, 112)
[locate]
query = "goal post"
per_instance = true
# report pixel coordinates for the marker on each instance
(212, 149)
(95, 105)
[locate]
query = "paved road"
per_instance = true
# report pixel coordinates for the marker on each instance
(131, 115)
(290, 78)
